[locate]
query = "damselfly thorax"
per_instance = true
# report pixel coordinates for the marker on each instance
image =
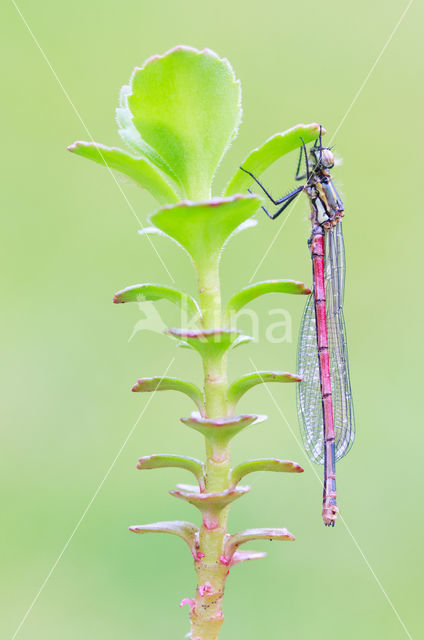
(327, 206)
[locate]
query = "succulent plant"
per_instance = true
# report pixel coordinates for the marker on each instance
(177, 116)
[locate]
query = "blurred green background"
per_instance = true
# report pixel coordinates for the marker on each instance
(69, 241)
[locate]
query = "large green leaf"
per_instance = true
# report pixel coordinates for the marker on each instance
(131, 136)
(186, 106)
(272, 149)
(202, 228)
(138, 168)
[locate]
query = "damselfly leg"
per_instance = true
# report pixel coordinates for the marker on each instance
(300, 176)
(284, 201)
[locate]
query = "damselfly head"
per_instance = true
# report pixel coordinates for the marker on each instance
(323, 156)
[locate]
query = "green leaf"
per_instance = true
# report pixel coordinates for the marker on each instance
(171, 384)
(220, 431)
(248, 224)
(181, 344)
(254, 291)
(133, 139)
(273, 149)
(152, 292)
(153, 231)
(127, 130)
(186, 106)
(210, 504)
(239, 387)
(244, 556)
(203, 228)
(234, 541)
(242, 340)
(263, 464)
(160, 461)
(185, 530)
(137, 168)
(207, 342)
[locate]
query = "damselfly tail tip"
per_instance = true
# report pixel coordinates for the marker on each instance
(330, 513)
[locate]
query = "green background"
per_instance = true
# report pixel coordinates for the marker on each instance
(69, 241)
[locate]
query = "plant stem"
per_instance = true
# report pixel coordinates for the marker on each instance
(206, 610)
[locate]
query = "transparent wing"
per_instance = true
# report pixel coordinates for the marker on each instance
(309, 405)
(309, 390)
(335, 272)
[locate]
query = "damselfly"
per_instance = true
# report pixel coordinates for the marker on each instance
(325, 406)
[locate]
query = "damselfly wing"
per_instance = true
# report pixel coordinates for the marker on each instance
(310, 411)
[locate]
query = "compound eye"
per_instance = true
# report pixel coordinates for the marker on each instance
(327, 158)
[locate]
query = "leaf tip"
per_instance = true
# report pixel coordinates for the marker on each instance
(78, 144)
(316, 127)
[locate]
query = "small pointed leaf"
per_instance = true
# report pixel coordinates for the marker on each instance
(254, 291)
(210, 504)
(234, 541)
(153, 292)
(202, 228)
(158, 383)
(185, 530)
(239, 387)
(263, 464)
(273, 149)
(190, 488)
(186, 106)
(181, 344)
(220, 431)
(139, 169)
(243, 556)
(207, 342)
(160, 461)
(242, 340)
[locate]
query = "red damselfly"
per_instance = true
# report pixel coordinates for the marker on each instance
(325, 407)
